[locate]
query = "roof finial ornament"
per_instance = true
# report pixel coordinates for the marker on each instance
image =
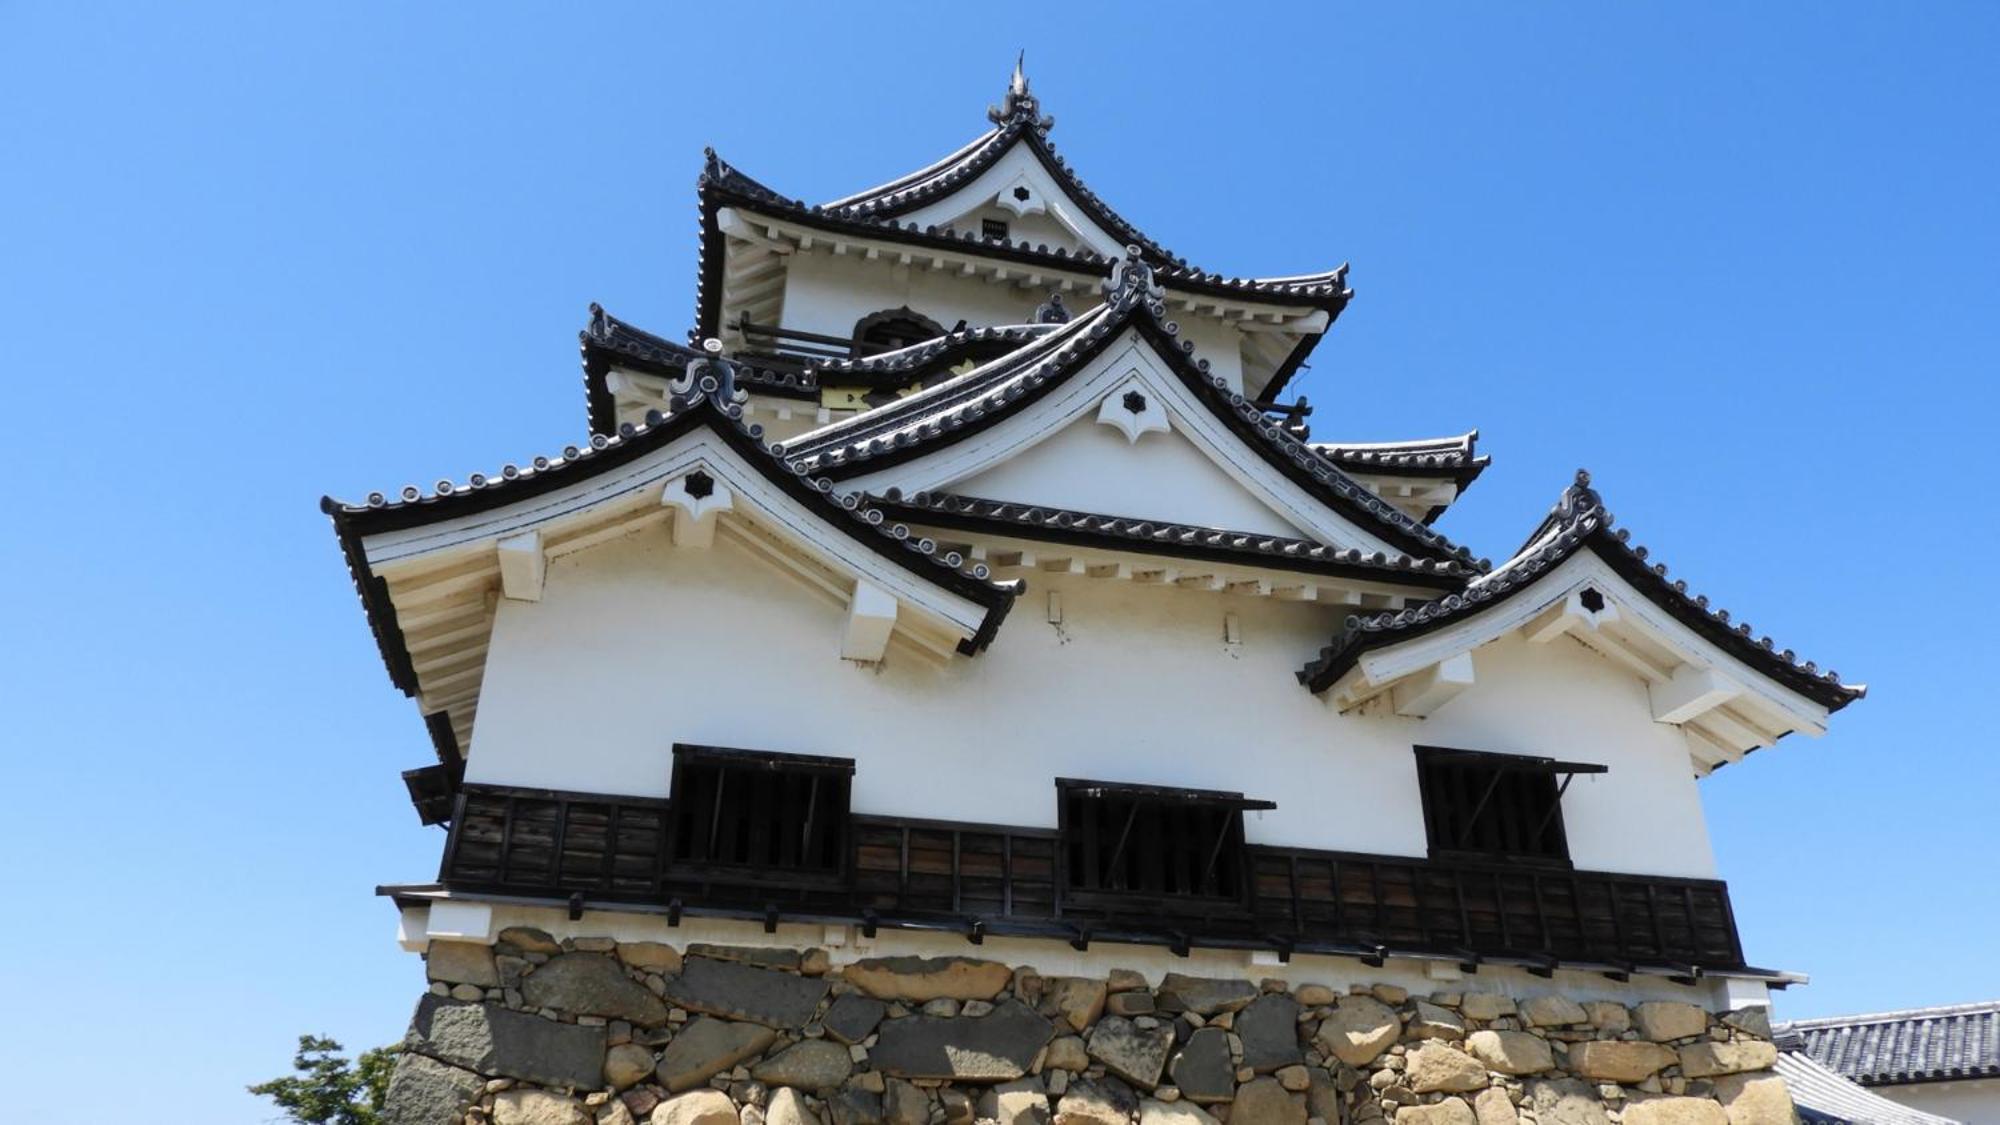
(1132, 280)
(1578, 499)
(1020, 104)
(1053, 311)
(711, 377)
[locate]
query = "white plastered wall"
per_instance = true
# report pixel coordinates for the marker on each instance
(1975, 1102)
(1089, 466)
(637, 645)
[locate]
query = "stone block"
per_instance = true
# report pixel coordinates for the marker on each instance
(1511, 1052)
(1016, 1103)
(1754, 1020)
(1136, 1054)
(1358, 1030)
(626, 1065)
(1450, 1111)
(810, 1064)
(1607, 1016)
(1433, 1021)
(528, 939)
(1566, 1101)
(1067, 1053)
(745, 992)
(1674, 1111)
(1552, 1011)
(762, 956)
(788, 1107)
(424, 1091)
(1203, 1069)
(698, 1107)
(706, 1048)
(1485, 1005)
(1435, 1067)
(1663, 1021)
(1078, 1000)
(918, 980)
(1153, 1112)
(1267, 1102)
(1269, 1028)
(996, 1047)
(1625, 1062)
(538, 1107)
(650, 956)
(1755, 1099)
(500, 1043)
(904, 1104)
(1204, 996)
(1103, 1101)
(1707, 1059)
(461, 962)
(1493, 1107)
(592, 984)
(852, 1017)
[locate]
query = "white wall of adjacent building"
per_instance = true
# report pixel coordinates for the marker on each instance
(637, 644)
(1975, 1102)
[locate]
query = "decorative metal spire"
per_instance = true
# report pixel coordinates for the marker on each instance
(1020, 104)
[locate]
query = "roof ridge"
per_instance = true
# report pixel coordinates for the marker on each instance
(1973, 1007)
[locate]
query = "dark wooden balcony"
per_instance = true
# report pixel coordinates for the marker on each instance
(991, 879)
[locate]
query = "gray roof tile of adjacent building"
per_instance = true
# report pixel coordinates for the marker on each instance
(1164, 537)
(1824, 1097)
(1958, 1041)
(1444, 456)
(958, 407)
(1578, 522)
(704, 395)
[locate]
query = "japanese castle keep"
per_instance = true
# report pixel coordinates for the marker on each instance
(951, 687)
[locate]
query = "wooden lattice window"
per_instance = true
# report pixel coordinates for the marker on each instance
(1151, 840)
(1495, 805)
(752, 814)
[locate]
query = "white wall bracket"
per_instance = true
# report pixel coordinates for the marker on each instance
(1421, 695)
(522, 566)
(871, 617)
(697, 498)
(1133, 409)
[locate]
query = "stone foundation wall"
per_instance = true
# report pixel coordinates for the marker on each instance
(532, 1031)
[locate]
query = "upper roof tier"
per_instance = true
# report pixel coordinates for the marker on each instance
(1004, 201)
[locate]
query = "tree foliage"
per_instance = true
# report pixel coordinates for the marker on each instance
(327, 1089)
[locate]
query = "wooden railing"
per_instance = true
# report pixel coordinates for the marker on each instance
(993, 878)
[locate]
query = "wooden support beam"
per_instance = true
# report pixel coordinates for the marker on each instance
(1307, 593)
(871, 617)
(522, 566)
(1059, 565)
(1692, 692)
(1421, 695)
(1251, 588)
(1199, 582)
(1160, 576)
(1108, 570)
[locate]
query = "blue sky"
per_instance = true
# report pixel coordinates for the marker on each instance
(1737, 259)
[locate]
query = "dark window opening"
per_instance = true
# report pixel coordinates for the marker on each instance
(758, 814)
(1495, 805)
(1136, 839)
(993, 228)
(891, 329)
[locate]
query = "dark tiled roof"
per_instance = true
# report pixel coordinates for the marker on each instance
(1917, 1045)
(931, 357)
(706, 395)
(969, 403)
(607, 340)
(1443, 457)
(1161, 537)
(1579, 522)
(1826, 1098)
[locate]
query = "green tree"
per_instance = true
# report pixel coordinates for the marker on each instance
(329, 1090)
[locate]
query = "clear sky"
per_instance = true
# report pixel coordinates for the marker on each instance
(1742, 261)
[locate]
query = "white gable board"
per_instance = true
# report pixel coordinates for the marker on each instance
(1090, 466)
(1020, 170)
(1128, 363)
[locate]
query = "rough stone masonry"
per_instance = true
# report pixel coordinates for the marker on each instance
(532, 1031)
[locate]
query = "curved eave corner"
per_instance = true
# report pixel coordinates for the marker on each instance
(1580, 524)
(711, 401)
